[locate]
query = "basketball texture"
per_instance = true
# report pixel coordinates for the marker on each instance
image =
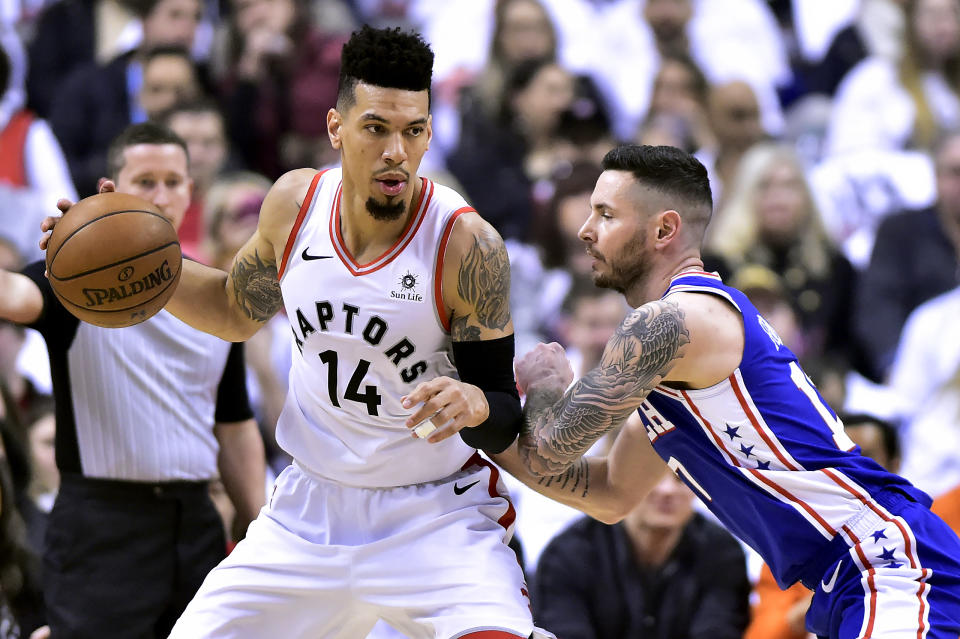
(113, 260)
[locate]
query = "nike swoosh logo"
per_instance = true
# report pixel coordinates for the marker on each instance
(306, 256)
(827, 586)
(458, 490)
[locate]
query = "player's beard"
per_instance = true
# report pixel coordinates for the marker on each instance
(630, 266)
(386, 211)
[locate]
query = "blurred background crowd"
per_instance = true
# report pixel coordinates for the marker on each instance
(831, 132)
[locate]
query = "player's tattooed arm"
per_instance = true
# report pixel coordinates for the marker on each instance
(256, 288)
(483, 282)
(560, 425)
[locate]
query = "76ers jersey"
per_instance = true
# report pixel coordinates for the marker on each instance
(366, 335)
(764, 452)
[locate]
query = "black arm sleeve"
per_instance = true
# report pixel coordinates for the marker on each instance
(233, 403)
(488, 365)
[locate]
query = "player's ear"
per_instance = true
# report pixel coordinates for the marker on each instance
(334, 127)
(429, 129)
(668, 226)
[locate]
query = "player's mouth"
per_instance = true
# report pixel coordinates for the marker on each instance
(392, 184)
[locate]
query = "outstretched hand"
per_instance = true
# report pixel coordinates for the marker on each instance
(105, 185)
(451, 405)
(545, 363)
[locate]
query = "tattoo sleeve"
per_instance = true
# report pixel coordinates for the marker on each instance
(560, 426)
(255, 286)
(484, 283)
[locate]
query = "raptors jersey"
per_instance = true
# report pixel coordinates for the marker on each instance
(766, 455)
(366, 335)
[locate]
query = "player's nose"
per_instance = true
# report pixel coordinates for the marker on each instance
(395, 151)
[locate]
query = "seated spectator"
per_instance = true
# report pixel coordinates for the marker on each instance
(97, 101)
(664, 571)
(904, 102)
(680, 90)
(498, 160)
(33, 170)
(914, 258)
(734, 117)
(925, 384)
(169, 77)
(277, 74)
(21, 600)
(201, 125)
(771, 219)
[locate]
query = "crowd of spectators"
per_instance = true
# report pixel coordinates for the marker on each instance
(831, 135)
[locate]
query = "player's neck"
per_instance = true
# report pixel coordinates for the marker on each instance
(656, 283)
(365, 236)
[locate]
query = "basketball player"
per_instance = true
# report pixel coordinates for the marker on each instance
(699, 373)
(383, 276)
(146, 416)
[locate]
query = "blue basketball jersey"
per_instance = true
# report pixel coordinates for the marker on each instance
(765, 453)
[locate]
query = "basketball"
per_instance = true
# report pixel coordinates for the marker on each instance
(113, 260)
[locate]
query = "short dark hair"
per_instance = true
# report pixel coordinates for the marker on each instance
(165, 50)
(670, 171)
(143, 133)
(194, 107)
(388, 58)
(888, 432)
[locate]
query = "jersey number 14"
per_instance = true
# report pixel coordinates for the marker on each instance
(369, 396)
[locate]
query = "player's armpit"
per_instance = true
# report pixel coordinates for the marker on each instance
(560, 426)
(476, 281)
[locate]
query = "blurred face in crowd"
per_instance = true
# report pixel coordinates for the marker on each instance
(593, 321)
(673, 89)
(382, 138)
(172, 22)
(167, 79)
(948, 179)
(735, 115)
(238, 216)
(526, 32)
(936, 24)
(615, 231)
(273, 16)
(782, 206)
(158, 173)
(203, 131)
(869, 437)
(42, 434)
(570, 218)
(668, 19)
(667, 508)
(541, 103)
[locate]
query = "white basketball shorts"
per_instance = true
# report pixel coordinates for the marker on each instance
(324, 560)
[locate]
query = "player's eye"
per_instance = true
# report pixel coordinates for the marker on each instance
(374, 128)
(415, 131)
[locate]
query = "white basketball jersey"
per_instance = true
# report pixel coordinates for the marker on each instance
(366, 335)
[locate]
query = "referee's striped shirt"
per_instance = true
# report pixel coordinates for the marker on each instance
(138, 403)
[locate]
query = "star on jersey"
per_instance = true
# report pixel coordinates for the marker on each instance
(894, 564)
(878, 535)
(763, 465)
(732, 432)
(886, 555)
(747, 450)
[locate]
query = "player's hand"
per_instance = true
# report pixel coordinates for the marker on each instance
(449, 403)
(104, 185)
(545, 363)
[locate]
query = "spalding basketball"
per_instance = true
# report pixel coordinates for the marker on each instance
(113, 260)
